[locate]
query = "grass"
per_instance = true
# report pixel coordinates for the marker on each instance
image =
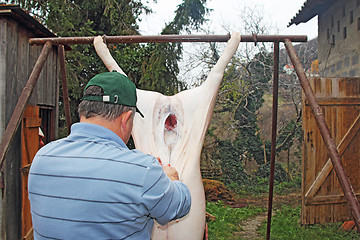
(284, 225)
(285, 222)
(259, 186)
(228, 219)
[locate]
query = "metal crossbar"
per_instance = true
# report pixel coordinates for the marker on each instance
(167, 38)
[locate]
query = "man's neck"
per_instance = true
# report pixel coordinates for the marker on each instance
(109, 124)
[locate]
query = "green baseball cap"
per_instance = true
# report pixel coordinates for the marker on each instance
(118, 89)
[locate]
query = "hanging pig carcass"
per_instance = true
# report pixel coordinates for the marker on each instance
(173, 130)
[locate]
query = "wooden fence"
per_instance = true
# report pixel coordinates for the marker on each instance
(322, 197)
(211, 173)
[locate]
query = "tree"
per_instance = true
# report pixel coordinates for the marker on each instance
(85, 18)
(235, 137)
(149, 66)
(234, 124)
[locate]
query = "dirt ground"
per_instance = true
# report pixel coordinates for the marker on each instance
(250, 226)
(291, 199)
(215, 190)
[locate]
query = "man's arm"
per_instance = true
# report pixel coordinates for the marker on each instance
(165, 199)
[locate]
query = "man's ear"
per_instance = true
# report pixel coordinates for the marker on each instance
(126, 116)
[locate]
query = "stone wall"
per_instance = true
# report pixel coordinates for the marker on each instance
(339, 40)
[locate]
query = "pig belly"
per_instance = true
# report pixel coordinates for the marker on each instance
(192, 225)
(171, 134)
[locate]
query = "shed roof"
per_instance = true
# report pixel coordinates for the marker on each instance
(310, 9)
(15, 12)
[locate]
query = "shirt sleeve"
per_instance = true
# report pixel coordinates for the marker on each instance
(166, 200)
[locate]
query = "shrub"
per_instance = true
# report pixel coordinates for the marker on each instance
(217, 191)
(280, 174)
(231, 159)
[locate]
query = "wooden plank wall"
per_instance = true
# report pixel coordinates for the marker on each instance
(339, 99)
(2, 74)
(12, 206)
(20, 59)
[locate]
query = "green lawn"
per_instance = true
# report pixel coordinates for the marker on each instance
(285, 226)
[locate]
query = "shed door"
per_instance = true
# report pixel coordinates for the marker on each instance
(323, 200)
(30, 144)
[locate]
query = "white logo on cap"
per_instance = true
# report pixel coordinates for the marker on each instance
(106, 98)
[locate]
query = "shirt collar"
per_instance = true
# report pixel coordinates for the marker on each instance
(95, 130)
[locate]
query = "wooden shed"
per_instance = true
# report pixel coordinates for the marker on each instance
(323, 199)
(17, 59)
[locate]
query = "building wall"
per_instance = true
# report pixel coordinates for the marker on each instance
(2, 104)
(17, 61)
(339, 40)
(2, 74)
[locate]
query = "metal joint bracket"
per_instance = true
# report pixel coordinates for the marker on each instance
(254, 36)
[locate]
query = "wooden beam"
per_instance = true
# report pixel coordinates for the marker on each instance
(336, 101)
(29, 235)
(329, 199)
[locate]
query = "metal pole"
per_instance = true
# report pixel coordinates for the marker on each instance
(273, 135)
(166, 38)
(21, 104)
(325, 133)
(64, 87)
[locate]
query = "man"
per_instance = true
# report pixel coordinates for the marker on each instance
(91, 186)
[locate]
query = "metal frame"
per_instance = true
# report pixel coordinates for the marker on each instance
(273, 135)
(16, 117)
(167, 38)
(65, 91)
(329, 142)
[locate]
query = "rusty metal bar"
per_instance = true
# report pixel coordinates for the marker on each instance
(61, 50)
(273, 135)
(21, 104)
(166, 38)
(325, 133)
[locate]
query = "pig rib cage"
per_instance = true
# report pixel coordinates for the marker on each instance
(286, 39)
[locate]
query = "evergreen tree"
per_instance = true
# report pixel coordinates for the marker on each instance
(150, 66)
(160, 68)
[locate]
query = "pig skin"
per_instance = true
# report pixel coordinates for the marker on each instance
(178, 140)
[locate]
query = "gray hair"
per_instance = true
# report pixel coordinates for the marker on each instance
(108, 111)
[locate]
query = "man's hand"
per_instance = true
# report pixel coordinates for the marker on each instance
(171, 172)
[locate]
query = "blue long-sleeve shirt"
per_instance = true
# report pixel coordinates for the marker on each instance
(91, 186)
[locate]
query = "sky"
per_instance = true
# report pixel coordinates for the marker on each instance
(276, 13)
(226, 17)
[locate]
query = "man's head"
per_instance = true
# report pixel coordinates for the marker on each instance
(109, 96)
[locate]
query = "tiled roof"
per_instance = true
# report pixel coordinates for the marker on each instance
(310, 9)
